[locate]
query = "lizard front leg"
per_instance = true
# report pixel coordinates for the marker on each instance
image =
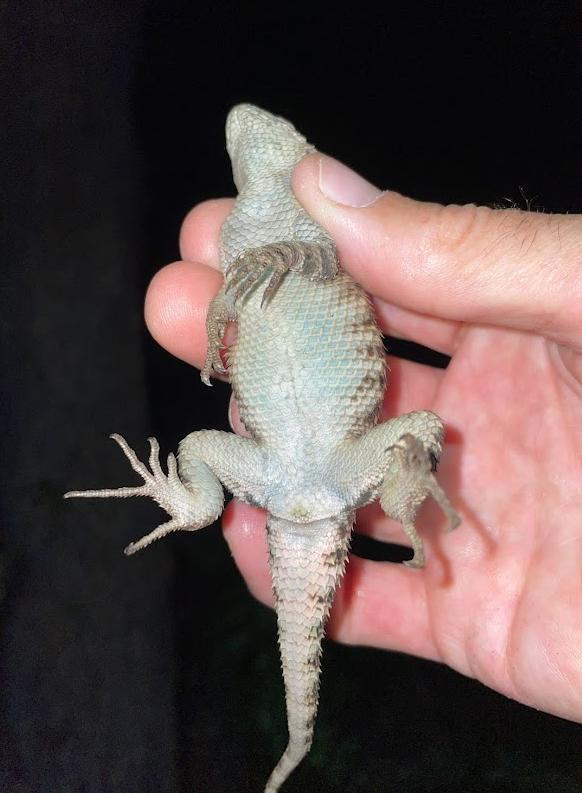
(396, 460)
(314, 260)
(249, 269)
(194, 498)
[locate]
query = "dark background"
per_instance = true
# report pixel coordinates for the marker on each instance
(160, 673)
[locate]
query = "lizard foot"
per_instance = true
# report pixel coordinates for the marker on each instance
(408, 483)
(220, 311)
(249, 268)
(168, 491)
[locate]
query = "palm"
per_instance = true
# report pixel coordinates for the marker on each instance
(504, 593)
(500, 598)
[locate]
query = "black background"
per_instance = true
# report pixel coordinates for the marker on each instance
(160, 673)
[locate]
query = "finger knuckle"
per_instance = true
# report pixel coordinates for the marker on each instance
(456, 229)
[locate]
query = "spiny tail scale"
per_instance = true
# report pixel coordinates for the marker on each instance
(307, 562)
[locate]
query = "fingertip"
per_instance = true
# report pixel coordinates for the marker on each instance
(200, 231)
(235, 420)
(175, 309)
(363, 221)
(306, 183)
(245, 532)
(306, 177)
(336, 182)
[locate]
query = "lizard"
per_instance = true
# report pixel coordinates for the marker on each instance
(308, 372)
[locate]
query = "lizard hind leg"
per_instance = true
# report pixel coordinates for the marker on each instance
(406, 485)
(188, 510)
(396, 460)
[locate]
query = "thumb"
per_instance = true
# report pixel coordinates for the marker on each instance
(468, 263)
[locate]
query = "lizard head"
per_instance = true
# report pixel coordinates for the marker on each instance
(260, 144)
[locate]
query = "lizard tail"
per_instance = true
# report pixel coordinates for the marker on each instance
(307, 562)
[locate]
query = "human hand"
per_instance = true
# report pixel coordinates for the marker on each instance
(501, 292)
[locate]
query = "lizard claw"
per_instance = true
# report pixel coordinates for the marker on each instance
(151, 479)
(249, 268)
(167, 490)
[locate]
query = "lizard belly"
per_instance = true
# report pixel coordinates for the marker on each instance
(308, 368)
